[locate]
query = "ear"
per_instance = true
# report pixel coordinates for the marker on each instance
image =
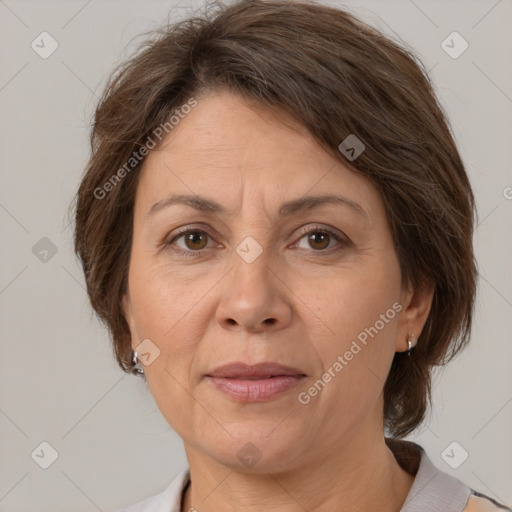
(128, 312)
(416, 304)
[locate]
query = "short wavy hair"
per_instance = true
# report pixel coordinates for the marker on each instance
(337, 76)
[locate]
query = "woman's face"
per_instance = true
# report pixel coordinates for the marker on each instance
(251, 285)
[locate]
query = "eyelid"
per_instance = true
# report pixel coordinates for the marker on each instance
(308, 228)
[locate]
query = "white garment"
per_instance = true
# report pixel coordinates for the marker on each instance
(432, 491)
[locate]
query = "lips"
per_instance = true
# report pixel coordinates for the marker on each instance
(255, 383)
(266, 370)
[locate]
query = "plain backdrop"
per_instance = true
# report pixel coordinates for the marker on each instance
(58, 381)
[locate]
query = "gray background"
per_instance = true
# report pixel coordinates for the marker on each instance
(58, 380)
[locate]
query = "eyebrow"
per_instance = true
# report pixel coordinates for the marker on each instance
(287, 209)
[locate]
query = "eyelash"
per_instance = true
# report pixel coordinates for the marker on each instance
(342, 243)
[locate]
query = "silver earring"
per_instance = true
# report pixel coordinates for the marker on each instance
(409, 342)
(135, 364)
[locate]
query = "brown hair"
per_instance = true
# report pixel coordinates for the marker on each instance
(337, 76)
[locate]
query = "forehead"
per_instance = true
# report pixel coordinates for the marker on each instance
(225, 128)
(230, 148)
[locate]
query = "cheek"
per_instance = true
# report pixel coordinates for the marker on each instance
(352, 302)
(165, 311)
(161, 298)
(163, 307)
(359, 312)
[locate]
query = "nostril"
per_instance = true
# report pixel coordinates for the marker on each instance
(270, 321)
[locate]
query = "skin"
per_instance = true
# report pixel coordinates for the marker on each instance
(213, 308)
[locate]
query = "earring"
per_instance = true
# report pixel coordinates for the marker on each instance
(409, 343)
(135, 364)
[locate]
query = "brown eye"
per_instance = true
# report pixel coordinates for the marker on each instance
(196, 240)
(319, 240)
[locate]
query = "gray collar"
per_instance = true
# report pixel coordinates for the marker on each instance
(434, 490)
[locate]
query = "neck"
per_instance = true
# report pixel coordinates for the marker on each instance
(360, 475)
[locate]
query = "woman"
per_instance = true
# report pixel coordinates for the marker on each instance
(276, 226)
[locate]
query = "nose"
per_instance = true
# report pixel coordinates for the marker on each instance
(254, 297)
